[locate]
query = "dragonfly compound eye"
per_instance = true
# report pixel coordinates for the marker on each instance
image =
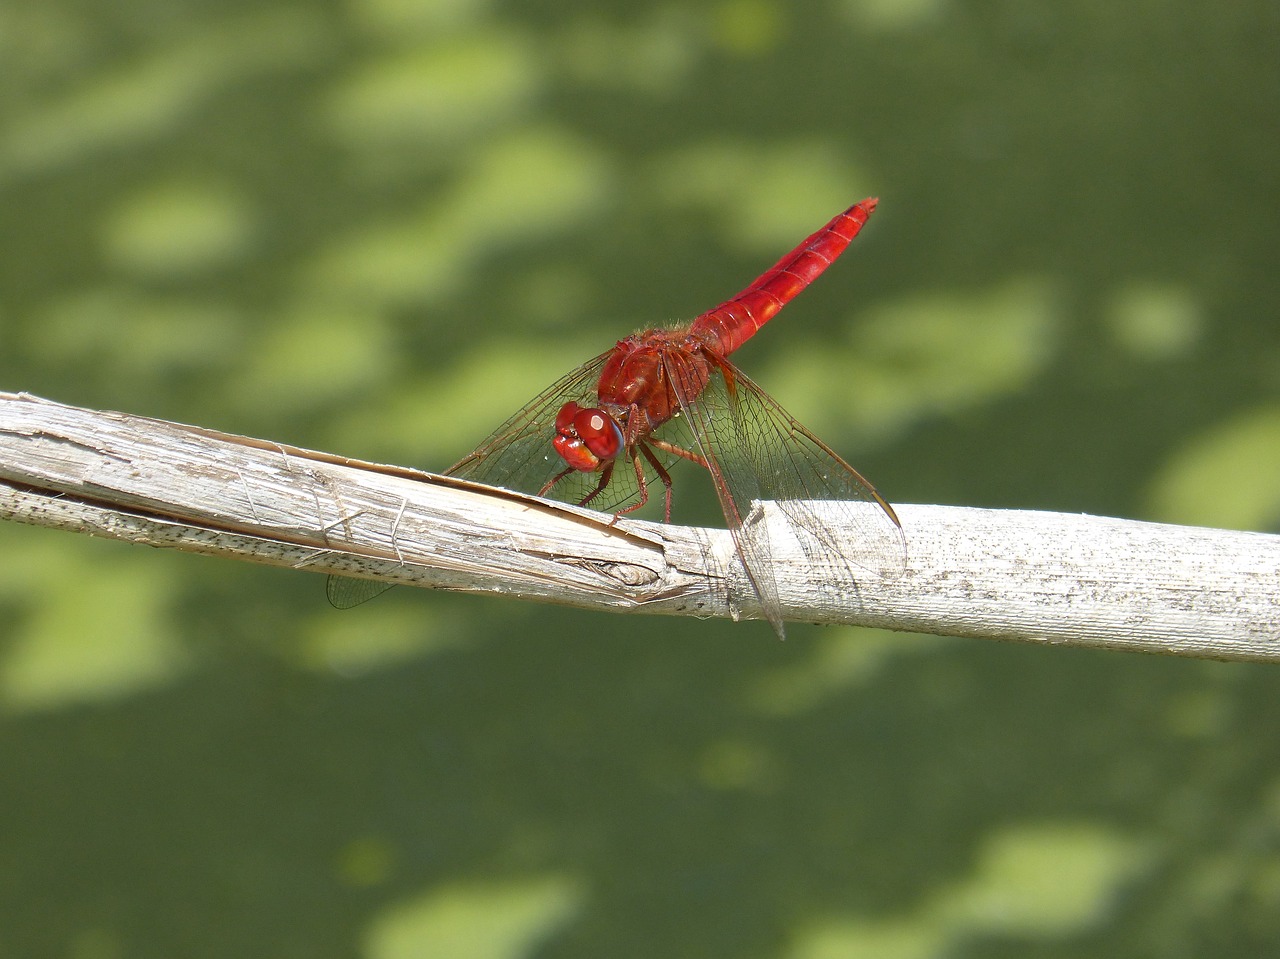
(599, 432)
(586, 439)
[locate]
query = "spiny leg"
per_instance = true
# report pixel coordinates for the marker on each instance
(642, 484)
(606, 474)
(680, 451)
(662, 475)
(546, 487)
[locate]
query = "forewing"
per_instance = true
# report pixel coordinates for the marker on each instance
(756, 451)
(519, 455)
(717, 435)
(344, 592)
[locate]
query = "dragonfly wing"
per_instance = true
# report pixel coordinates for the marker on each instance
(344, 592)
(718, 436)
(757, 451)
(519, 454)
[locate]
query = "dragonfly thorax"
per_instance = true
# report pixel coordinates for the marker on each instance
(644, 380)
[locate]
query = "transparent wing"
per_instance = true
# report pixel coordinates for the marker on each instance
(519, 454)
(345, 592)
(756, 451)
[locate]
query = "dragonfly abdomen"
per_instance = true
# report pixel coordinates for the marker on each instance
(735, 321)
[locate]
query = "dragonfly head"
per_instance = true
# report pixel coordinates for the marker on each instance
(587, 438)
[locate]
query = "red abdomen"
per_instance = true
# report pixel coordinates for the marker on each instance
(735, 321)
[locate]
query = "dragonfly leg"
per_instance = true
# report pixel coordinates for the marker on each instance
(642, 485)
(662, 475)
(680, 451)
(546, 488)
(606, 474)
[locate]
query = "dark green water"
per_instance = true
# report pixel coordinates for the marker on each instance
(378, 227)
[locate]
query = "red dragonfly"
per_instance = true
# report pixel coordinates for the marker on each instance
(606, 434)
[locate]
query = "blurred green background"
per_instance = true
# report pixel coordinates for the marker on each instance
(377, 227)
